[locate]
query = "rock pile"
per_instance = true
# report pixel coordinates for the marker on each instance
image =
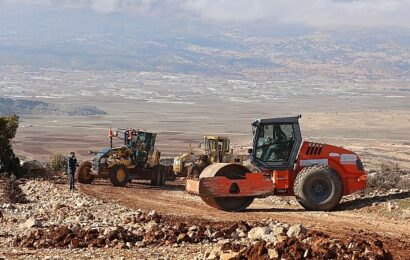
(56, 218)
(312, 245)
(239, 241)
(140, 230)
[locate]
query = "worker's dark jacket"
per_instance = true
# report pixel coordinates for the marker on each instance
(72, 163)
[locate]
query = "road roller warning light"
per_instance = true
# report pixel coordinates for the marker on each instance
(318, 175)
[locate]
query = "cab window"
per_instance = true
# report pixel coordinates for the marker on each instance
(275, 142)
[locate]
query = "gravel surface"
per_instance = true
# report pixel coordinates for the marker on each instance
(56, 223)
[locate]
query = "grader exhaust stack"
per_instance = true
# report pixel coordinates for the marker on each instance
(317, 174)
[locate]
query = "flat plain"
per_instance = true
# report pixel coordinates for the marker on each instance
(372, 118)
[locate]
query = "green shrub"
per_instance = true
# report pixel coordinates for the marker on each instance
(58, 163)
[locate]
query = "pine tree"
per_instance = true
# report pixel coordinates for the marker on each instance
(9, 163)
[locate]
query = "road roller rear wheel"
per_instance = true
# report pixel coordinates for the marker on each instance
(233, 172)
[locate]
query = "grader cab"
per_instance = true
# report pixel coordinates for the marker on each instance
(216, 149)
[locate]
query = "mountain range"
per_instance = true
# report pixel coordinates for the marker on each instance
(175, 42)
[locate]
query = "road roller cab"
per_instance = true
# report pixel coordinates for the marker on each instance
(317, 174)
(276, 143)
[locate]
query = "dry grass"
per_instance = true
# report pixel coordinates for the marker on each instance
(390, 176)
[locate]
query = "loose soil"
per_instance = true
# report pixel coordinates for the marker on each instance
(346, 222)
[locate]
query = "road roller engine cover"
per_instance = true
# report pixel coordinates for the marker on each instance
(318, 175)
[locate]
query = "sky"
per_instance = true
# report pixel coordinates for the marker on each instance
(311, 13)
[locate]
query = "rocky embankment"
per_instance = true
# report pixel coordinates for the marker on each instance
(56, 222)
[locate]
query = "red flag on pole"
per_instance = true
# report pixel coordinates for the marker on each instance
(110, 134)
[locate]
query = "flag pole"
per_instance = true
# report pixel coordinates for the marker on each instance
(110, 136)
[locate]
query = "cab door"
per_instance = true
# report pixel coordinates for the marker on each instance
(276, 143)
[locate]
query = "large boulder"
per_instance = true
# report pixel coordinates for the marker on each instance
(32, 222)
(296, 230)
(152, 226)
(258, 233)
(278, 230)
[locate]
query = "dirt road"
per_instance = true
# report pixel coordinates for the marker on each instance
(173, 202)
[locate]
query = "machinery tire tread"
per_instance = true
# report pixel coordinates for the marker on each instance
(155, 178)
(170, 176)
(162, 175)
(113, 178)
(303, 198)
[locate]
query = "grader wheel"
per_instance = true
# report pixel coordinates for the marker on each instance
(163, 175)
(84, 173)
(158, 176)
(119, 175)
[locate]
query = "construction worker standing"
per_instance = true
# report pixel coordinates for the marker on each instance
(72, 164)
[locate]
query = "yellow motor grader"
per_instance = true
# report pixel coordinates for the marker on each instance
(136, 159)
(216, 149)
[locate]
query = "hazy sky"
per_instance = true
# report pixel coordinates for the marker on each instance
(313, 13)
